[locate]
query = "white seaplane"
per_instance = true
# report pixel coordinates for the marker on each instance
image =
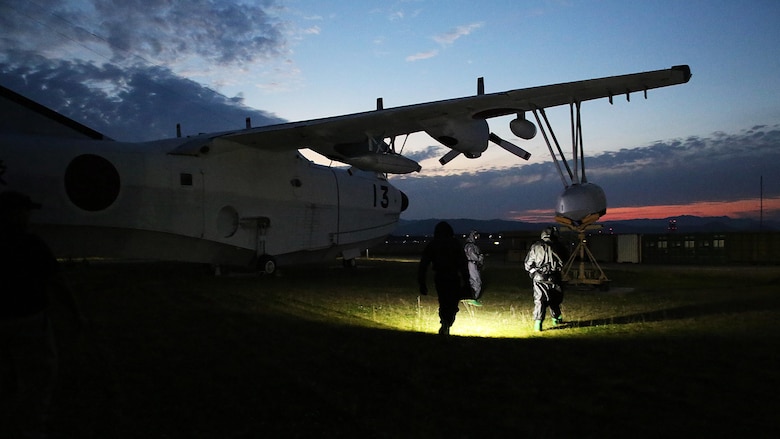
(248, 197)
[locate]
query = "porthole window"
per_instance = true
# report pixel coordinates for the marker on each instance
(227, 221)
(92, 182)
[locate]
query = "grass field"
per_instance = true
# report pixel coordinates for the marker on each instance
(322, 351)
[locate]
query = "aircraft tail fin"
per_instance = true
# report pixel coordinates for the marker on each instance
(21, 115)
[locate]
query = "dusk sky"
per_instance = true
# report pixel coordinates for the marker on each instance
(134, 69)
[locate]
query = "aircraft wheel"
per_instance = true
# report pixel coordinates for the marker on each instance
(267, 265)
(350, 263)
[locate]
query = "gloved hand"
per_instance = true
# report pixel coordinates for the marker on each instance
(423, 290)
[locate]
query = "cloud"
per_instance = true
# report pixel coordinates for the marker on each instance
(157, 31)
(721, 171)
(122, 67)
(135, 103)
(434, 151)
(722, 167)
(445, 39)
(451, 36)
(422, 55)
(314, 30)
(396, 15)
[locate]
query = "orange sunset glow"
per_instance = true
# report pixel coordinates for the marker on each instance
(749, 208)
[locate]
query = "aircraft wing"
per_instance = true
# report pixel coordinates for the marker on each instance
(460, 123)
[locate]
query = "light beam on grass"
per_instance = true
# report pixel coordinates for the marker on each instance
(471, 321)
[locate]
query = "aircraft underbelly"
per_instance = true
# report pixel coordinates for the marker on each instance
(85, 242)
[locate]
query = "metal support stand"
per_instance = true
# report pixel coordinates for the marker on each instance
(588, 271)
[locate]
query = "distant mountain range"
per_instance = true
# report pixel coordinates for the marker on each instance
(685, 224)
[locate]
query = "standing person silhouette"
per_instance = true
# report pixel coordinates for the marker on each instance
(28, 354)
(451, 275)
(544, 266)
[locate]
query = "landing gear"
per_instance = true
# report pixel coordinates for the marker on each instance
(266, 264)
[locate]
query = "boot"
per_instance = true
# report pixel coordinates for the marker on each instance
(537, 326)
(558, 320)
(444, 330)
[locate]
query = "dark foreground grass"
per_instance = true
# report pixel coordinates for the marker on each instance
(174, 352)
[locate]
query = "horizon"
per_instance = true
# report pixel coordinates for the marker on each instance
(660, 226)
(740, 209)
(552, 221)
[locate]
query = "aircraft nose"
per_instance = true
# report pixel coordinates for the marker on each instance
(404, 202)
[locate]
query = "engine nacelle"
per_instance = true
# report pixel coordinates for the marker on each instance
(469, 136)
(580, 203)
(523, 128)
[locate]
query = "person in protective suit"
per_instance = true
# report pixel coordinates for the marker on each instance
(476, 261)
(451, 275)
(544, 265)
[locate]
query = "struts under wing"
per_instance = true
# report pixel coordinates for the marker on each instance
(459, 124)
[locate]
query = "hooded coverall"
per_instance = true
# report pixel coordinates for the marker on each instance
(451, 274)
(476, 260)
(544, 267)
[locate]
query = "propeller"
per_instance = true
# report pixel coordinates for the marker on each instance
(511, 147)
(451, 154)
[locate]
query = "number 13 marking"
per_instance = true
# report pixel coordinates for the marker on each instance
(384, 200)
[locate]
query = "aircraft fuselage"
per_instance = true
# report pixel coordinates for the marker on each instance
(108, 199)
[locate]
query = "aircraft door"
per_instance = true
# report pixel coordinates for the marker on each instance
(187, 200)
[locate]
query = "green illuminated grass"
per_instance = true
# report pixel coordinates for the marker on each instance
(321, 351)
